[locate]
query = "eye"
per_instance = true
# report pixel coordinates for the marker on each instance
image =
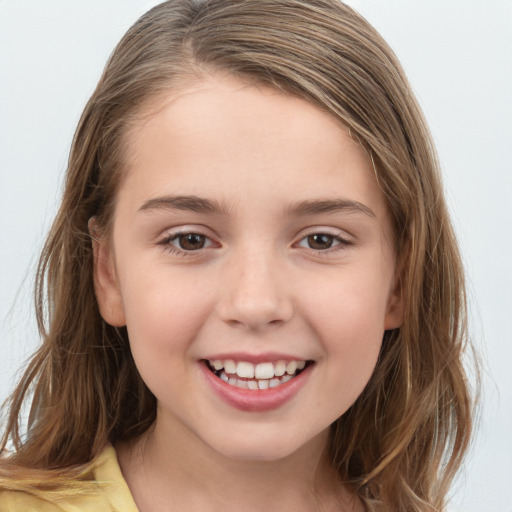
(322, 241)
(189, 241)
(185, 242)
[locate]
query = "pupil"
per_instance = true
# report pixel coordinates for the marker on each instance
(192, 241)
(320, 241)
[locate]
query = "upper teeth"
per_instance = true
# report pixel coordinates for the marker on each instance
(248, 370)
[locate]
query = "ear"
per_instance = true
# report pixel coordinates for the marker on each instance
(106, 284)
(395, 307)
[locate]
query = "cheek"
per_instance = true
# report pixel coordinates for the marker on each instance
(349, 305)
(348, 316)
(163, 316)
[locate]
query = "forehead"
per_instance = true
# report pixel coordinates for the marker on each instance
(220, 133)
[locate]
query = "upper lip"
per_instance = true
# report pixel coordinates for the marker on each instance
(255, 358)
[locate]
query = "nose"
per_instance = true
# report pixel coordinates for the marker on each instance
(255, 292)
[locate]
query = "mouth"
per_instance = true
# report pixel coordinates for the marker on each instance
(264, 375)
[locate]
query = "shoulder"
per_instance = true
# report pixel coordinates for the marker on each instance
(111, 494)
(14, 501)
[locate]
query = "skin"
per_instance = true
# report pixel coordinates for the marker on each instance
(254, 284)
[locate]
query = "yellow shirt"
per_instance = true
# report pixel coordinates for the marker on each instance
(113, 497)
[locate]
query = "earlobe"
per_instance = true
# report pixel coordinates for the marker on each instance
(106, 284)
(395, 309)
(395, 313)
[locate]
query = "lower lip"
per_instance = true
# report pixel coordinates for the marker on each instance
(257, 400)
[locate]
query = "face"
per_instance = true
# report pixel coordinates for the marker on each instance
(251, 260)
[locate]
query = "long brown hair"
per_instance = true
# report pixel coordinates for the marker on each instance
(402, 441)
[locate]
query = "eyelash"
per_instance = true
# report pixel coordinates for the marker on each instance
(167, 244)
(340, 243)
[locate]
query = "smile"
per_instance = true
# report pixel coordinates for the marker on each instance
(246, 375)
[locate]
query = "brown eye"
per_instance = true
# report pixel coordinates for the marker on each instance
(190, 241)
(320, 241)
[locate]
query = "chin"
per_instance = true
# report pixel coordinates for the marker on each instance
(255, 453)
(264, 447)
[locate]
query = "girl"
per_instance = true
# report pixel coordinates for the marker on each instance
(251, 297)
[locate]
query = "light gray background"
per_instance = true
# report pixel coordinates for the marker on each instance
(457, 54)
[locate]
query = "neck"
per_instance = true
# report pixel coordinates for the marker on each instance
(168, 470)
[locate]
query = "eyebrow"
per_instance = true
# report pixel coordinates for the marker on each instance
(209, 206)
(315, 207)
(185, 203)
